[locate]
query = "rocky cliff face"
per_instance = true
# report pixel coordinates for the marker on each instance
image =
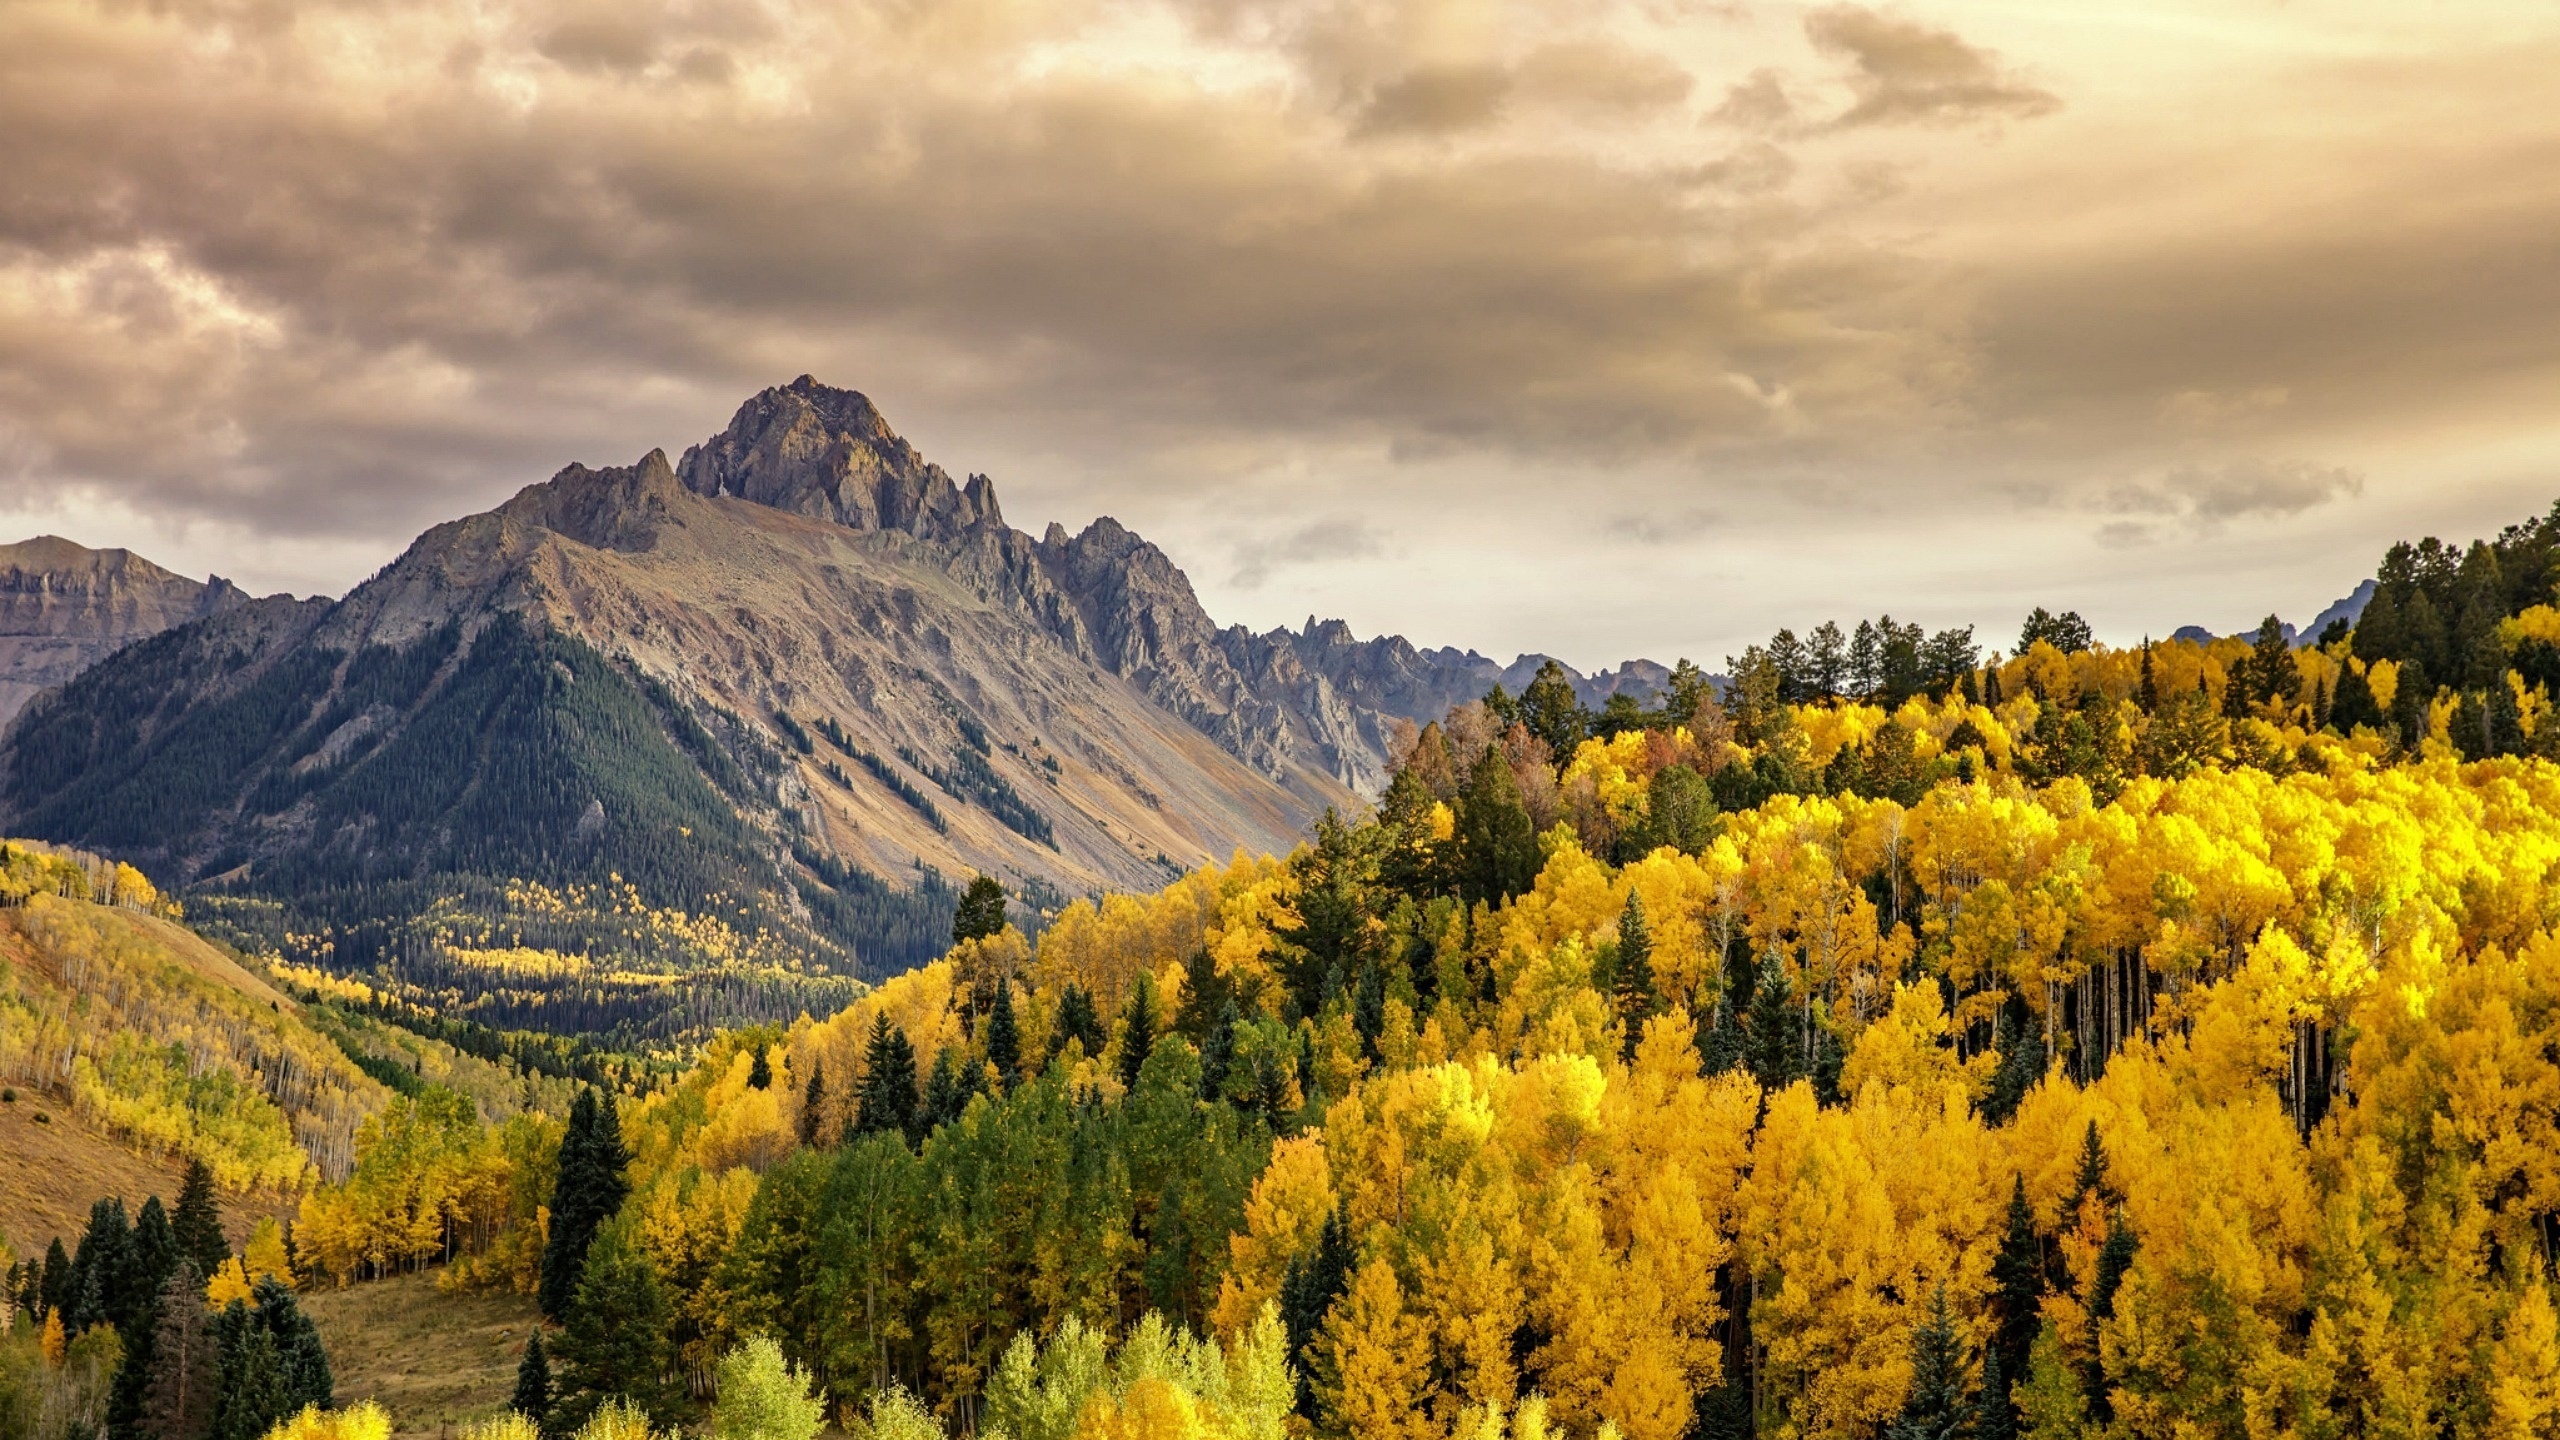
(64, 607)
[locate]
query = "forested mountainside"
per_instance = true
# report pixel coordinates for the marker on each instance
(2084, 1044)
(674, 744)
(64, 607)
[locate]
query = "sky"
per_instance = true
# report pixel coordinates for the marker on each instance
(1596, 327)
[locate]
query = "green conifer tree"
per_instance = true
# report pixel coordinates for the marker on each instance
(1934, 1408)
(981, 912)
(1138, 1026)
(615, 1341)
(2017, 1303)
(888, 1096)
(533, 1384)
(1637, 1000)
(813, 1102)
(198, 1220)
(1004, 1039)
(1497, 844)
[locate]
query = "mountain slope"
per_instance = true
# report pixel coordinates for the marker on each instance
(64, 607)
(697, 741)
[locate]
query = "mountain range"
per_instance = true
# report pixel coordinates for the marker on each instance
(791, 680)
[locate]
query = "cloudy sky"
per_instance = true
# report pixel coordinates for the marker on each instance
(1592, 327)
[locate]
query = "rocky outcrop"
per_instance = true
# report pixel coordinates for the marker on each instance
(64, 607)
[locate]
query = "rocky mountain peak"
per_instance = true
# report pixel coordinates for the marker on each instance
(64, 606)
(826, 453)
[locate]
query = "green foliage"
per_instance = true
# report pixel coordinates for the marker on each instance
(1935, 1408)
(532, 1398)
(762, 1396)
(590, 1188)
(615, 1341)
(981, 912)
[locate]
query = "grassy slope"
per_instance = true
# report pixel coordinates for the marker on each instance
(51, 1173)
(432, 1357)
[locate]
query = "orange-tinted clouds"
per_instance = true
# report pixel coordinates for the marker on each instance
(1448, 317)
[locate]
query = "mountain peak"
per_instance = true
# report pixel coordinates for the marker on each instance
(827, 453)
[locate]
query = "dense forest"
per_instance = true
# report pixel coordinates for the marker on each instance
(1891, 1039)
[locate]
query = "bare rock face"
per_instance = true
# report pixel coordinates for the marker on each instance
(64, 607)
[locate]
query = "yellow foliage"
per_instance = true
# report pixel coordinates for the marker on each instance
(364, 1420)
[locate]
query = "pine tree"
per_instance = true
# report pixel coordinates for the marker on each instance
(1369, 1008)
(946, 1095)
(1204, 996)
(1138, 1031)
(615, 1341)
(1636, 999)
(2115, 1261)
(1077, 1021)
(2018, 1303)
(1995, 1417)
(888, 1096)
(1776, 1056)
(155, 1252)
(99, 1266)
(1004, 1040)
(2021, 1048)
(813, 1103)
(590, 1188)
(1217, 1055)
(1497, 845)
(2147, 695)
(57, 1287)
(981, 912)
(760, 1071)
(254, 1395)
(1307, 1293)
(1934, 1408)
(533, 1384)
(2092, 1179)
(198, 1221)
(301, 1360)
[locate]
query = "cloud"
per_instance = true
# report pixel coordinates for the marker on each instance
(1910, 73)
(1664, 527)
(1320, 542)
(2201, 498)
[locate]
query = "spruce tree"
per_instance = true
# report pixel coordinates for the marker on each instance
(198, 1220)
(760, 1071)
(2092, 1179)
(99, 1266)
(981, 912)
(1077, 1021)
(1204, 996)
(2017, 1303)
(615, 1341)
(1004, 1039)
(1307, 1293)
(254, 1395)
(533, 1384)
(946, 1095)
(301, 1361)
(1995, 1417)
(1138, 1027)
(1636, 999)
(813, 1103)
(2115, 1260)
(1934, 1408)
(155, 1252)
(2021, 1048)
(1497, 844)
(1217, 1055)
(888, 1096)
(1776, 1056)
(590, 1188)
(1369, 1008)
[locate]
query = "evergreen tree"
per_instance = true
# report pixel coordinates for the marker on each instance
(1496, 842)
(1369, 1008)
(198, 1221)
(1776, 1050)
(533, 1384)
(2115, 1259)
(301, 1361)
(155, 1254)
(981, 912)
(99, 1268)
(1307, 1294)
(57, 1288)
(1934, 1408)
(1138, 1031)
(946, 1095)
(1995, 1416)
(2147, 694)
(2092, 1177)
(2273, 674)
(1636, 999)
(760, 1072)
(1004, 1039)
(888, 1096)
(1553, 712)
(1204, 996)
(2021, 1048)
(254, 1396)
(1217, 1054)
(615, 1341)
(2017, 1304)
(590, 1188)
(1078, 1021)
(813, 1102)
(2352, 703)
